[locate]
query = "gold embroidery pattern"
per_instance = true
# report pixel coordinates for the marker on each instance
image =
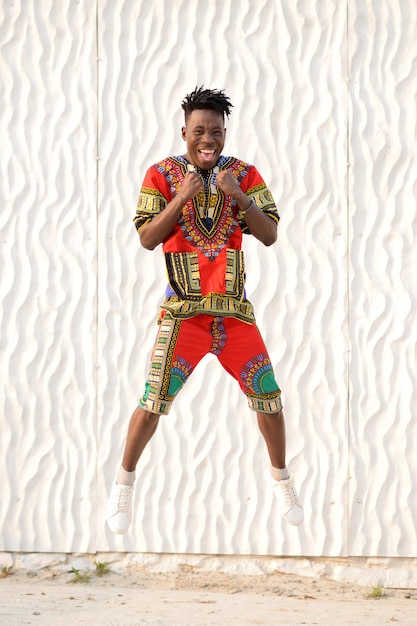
(216, 304)
(157, 386)
(150, 203)
(262, 197)
(184, 274)
(266, 406)
(235, 273)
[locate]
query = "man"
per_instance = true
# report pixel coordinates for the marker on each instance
(197, 206)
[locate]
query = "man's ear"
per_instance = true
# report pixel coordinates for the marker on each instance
(183, 131)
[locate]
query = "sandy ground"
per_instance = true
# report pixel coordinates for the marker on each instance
(194, 598)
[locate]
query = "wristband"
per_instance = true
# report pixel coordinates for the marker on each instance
(251, 206)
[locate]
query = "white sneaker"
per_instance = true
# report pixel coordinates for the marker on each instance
(284, 490)
(119, 508)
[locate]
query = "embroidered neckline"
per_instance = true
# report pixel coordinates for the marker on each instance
(220, 162)
(204, 201)
(212, 216)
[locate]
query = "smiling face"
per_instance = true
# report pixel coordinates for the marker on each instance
(205, 134)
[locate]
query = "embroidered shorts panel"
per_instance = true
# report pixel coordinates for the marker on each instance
(181, 344)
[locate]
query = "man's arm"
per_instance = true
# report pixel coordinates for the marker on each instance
(157, 230)
(260, 225)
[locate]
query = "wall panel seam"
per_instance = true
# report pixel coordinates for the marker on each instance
(347, 95)
(96, 330)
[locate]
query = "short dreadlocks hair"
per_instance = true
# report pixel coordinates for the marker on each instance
(201, 98)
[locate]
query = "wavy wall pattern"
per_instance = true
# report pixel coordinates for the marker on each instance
(383, 286)
(204, 470)
(48, 276)
(335, 299)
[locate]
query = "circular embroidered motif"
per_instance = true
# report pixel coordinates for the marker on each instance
(258, 376)
(180, 371)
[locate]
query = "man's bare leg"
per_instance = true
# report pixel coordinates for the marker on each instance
(272, 426)
(142, 427)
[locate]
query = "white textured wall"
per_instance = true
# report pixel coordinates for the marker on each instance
(382, 191)
(48, 275)
(324, 98)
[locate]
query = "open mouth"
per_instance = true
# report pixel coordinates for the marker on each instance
(207, 155)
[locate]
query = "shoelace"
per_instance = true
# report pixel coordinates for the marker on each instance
(289, 495)
(123, 501)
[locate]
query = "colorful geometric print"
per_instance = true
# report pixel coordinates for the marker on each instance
(180, 371)
(181, 344)
(183, 271)
(158, 394)
(274, 405)
(218, 332)
(184, 274)
(150, 203)
(258, 376)
(260, 386)
(211, 218)
(263, 199)
(235, 273)
(213, 304)
(210, 243)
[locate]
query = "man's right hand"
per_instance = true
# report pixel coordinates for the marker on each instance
(192, 185)
(160, 226)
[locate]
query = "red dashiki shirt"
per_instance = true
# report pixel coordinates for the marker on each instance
(203, 255)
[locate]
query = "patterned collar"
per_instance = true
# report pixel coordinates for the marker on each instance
(220, 162)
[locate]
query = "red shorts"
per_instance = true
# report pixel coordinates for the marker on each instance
(181, 344)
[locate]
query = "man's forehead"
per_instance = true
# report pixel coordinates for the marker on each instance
(202, 117)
